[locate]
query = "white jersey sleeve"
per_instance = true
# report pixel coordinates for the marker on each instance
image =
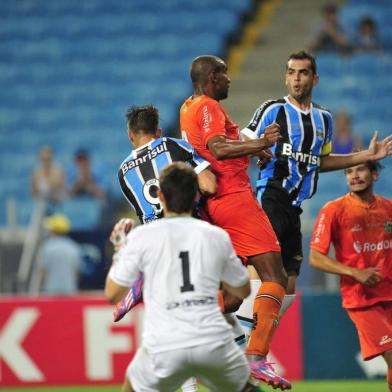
(234, 273)
(125, 270)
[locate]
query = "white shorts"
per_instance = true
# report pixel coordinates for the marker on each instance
(219, 366)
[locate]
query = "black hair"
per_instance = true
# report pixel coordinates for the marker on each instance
(303, 55)
(202, 66)
(143, 119)
(178, 183)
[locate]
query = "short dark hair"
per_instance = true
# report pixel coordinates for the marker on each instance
(143, 119)
(202, 66)
(303, 55)
(82, 153)
(374, 166)
(330, 8)
(178, 183)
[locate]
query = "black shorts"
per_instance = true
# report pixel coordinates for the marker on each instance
(285, 219)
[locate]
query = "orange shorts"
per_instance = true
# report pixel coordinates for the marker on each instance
(245, 221)
(374, 326)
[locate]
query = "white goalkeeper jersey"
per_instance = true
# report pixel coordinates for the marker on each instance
(183, 260)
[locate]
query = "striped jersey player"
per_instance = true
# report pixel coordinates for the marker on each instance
(306, 135)
(139, 173)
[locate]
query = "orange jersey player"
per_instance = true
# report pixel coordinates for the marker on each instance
(359, 225)
(215, 137)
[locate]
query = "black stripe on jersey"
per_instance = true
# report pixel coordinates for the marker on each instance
(325, 119)
(281, 169)
(326, 127)
(176, 153)
(146, 169)
(307, 141)
(260, 111)
(129, 195)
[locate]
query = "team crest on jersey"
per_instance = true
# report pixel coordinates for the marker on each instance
(320, 133)
(388, 226)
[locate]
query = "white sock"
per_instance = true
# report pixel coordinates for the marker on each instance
(287, 302)
(239, 334)
(189, 385)
(245, 312)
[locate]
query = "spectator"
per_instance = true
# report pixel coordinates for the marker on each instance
(83, 181)
(59, 258)
(367, 38)
(48, 179)
(330, 37)
(344, 140)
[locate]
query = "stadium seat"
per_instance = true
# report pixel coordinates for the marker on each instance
(70, 69)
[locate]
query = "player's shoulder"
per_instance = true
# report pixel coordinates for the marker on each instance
(127, 158)
(384, 201)
(143, 232)
(321, 108)
(271, 103)
(212, 230)
(177, 141)
(335, 205)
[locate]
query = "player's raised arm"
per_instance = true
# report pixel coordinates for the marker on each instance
(377, 150)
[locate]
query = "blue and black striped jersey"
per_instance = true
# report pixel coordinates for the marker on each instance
(296, 157)
(139, 173)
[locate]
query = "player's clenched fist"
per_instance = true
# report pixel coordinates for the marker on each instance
(119, 233)
(272, 134)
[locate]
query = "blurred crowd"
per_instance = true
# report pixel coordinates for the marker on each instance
(51, 183)
(331, 36)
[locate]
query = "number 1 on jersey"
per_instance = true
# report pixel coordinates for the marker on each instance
(187, 286)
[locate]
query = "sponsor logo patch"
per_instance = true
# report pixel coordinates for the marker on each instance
(388, 226)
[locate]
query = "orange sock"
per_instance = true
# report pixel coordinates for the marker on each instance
(265, 315)
(389, 378)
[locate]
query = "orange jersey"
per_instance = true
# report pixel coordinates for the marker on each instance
(362, 237)
(201, 119)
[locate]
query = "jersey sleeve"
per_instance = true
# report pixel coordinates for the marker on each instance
(192, 157)
(234, 273)
(265, 115)
(125, 270)
(327, 146)
(211, 120)
(322, 233)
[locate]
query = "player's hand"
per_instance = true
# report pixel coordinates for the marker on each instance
(380, 149)
(264, 157)
(272, 134)
(119, 233)
(368, 276)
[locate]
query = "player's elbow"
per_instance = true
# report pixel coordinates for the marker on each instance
(314, 259)
(207, 183)
(219, 150)
(111, 292)
(208, 191)
(110, 298)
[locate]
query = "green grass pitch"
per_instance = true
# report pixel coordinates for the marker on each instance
(304, 386)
